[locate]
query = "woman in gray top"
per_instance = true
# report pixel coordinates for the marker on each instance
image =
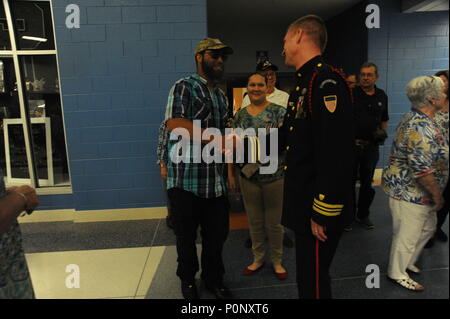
(262, 193)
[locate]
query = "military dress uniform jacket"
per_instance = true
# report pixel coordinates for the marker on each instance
(318, 137)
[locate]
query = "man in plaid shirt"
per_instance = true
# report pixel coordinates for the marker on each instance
(196, 189)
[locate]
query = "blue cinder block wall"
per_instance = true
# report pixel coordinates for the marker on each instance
(406, 45)
(116, 71)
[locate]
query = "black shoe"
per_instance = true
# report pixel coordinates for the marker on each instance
(220, 291)
(366, 223)
(169, 222)
(348, 228)
(441, 236)
(189, 290)
(287, 242)
(248, 243)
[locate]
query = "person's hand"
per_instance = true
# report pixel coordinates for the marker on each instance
(438, 202)
(318, 231)
(163, 172)
(30, 194)
(230, 143)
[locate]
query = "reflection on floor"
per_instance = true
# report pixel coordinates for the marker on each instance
(136, 259)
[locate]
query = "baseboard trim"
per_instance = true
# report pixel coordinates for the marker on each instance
(90, 216)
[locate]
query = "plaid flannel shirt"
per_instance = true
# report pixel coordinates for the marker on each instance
(191, 99)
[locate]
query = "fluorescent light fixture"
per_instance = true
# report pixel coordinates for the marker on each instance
(43, 105)
(25, 37)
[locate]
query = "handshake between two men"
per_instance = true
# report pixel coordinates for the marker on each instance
(192, 143)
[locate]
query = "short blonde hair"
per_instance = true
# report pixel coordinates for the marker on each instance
(314, 27)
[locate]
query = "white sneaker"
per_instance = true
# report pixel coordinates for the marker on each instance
(408, 284)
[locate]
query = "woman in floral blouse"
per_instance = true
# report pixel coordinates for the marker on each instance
(415, 178)
(15, 281)
(262, 193)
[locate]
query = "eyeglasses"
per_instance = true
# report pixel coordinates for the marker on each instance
(217, 54)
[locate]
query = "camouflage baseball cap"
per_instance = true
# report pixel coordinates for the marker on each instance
(212, 44)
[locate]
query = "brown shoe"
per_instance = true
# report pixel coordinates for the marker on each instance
(281, 275)
(248, 272)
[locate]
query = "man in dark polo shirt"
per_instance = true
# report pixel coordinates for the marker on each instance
(371, 109)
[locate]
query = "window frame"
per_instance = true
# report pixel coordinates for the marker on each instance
(25, 119)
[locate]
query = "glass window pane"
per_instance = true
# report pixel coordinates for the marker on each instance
(13, 160)
(5, 44)
(44, 103)
(34, 25)
(9, 98)
(18, 164)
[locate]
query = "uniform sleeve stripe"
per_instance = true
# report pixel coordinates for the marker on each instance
(328, 209)
(325, 213)
(325, 205)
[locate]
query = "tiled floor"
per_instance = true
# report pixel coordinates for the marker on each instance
(136, 259)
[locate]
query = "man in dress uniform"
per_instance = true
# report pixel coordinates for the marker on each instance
(318, 136)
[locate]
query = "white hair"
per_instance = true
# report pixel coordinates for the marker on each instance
(422, 89)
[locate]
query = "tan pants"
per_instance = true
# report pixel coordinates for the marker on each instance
(263, 204)
(413, 226)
